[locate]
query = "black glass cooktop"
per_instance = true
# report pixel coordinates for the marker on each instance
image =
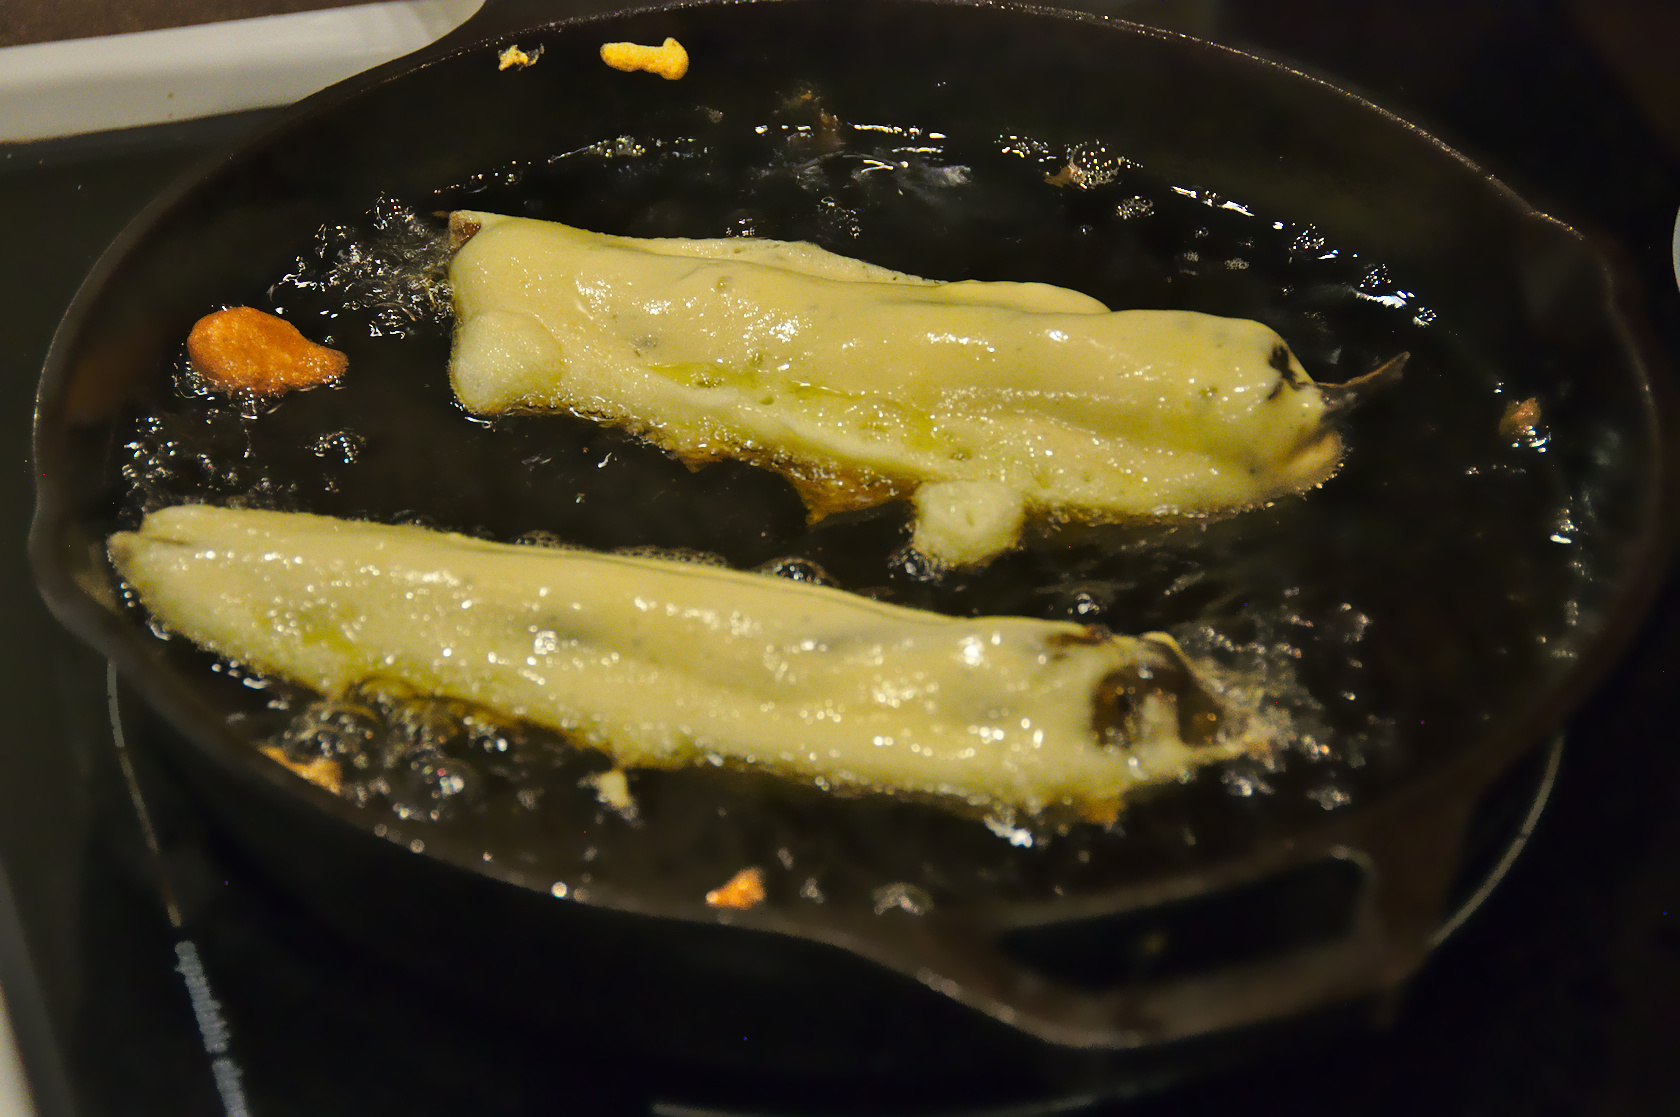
(149, 969)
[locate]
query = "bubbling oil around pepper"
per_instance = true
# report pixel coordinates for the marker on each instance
(1297, 603)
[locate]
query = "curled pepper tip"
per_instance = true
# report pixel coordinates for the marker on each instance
(1349, 394)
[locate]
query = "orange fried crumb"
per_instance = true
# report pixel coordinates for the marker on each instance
(1103, 812)
(743, 890)
(321, 772)
(245, 350)
(1520, 419)
(669, 60)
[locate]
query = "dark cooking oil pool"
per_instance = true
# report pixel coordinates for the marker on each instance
(1380, 621)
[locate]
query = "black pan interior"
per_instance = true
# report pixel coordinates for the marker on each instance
(1445, 592)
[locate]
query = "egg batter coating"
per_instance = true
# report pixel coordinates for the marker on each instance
(989, 404)
(662, 663)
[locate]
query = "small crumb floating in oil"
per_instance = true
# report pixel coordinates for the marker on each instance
(515, 56)
(320, 771)
(241, 349)
(902, 896)
(669, 60)
(612, 788)
(743, 890)
(1521, 418)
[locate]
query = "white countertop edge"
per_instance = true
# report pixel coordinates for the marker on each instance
(182, 73)
(14, 1086)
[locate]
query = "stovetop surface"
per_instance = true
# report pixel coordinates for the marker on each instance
(1561, 995)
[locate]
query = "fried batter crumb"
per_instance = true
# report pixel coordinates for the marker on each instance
(241, 349)
(1102, 812)
(669, 60)
(613, 790)
(321, 772)
(743, 890)
(514, 56)
(1521, 418)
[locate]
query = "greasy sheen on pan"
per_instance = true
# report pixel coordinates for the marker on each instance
(663, 663)
(986, 403)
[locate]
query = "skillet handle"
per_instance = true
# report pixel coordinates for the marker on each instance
(1405, 862)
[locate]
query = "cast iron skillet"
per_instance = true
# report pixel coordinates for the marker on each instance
(1444, 601)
